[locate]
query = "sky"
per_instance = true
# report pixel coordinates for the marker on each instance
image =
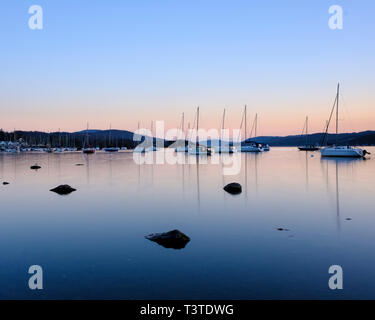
(120, 62)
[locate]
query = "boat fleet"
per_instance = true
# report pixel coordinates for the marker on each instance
(251, 145)
(194, 146)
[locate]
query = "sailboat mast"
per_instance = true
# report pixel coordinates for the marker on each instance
(245, 123)
(87, 134)
(152, 132)
(337, 112)
(256, 124)
(223, 123)
(222, 126)
(197, 138)
(307, 128)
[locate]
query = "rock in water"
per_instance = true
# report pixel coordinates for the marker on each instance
(63, 189)
(174, 239)
(5, 183)
(282, 229)
(233, 188)
(35, 167)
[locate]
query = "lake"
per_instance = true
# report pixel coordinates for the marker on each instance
(91, 242)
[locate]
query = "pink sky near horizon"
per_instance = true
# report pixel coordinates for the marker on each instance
(285, 118)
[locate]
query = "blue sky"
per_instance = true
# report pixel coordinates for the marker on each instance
(121, 62)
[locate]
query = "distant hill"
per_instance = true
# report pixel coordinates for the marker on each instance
(353, 139)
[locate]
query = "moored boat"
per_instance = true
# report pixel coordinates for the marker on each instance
(249, 146)
(110, 149)
(307, 146)
(181, 142)
(86, 148)
(198, 149)
(337, 150)
(343, 151)
(223, 147)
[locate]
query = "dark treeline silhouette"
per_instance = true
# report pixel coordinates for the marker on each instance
(123, 138)
(96, 138)
(99, 139)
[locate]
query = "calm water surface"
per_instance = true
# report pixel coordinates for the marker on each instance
(91, 243)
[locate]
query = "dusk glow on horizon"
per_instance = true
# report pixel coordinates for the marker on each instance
(119, 63)
(187, 158)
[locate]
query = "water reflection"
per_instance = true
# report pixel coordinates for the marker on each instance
(337, 196)
(87, 163)
(198, 184)
(307, 170)
(96, 234)
(338, 162)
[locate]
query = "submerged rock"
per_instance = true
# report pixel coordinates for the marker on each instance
(174, 239)
(79, 164)
(5, 183)
(348, 219)
(63, 189)
(233, 188)
(35, 167)
(282, 229)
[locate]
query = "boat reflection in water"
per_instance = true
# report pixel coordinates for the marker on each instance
(344, 163)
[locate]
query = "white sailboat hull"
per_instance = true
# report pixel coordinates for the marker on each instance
(251, 149)
(199, 151)
(346, 152)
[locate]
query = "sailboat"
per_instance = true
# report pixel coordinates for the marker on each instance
(86, 148)
(198, 149)
(223, 148)
(264, 146)
(249, 146)
(307, 146)
(110, 149)
(152, 147)
(336, 150)
(182, 144)
(49, 144)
